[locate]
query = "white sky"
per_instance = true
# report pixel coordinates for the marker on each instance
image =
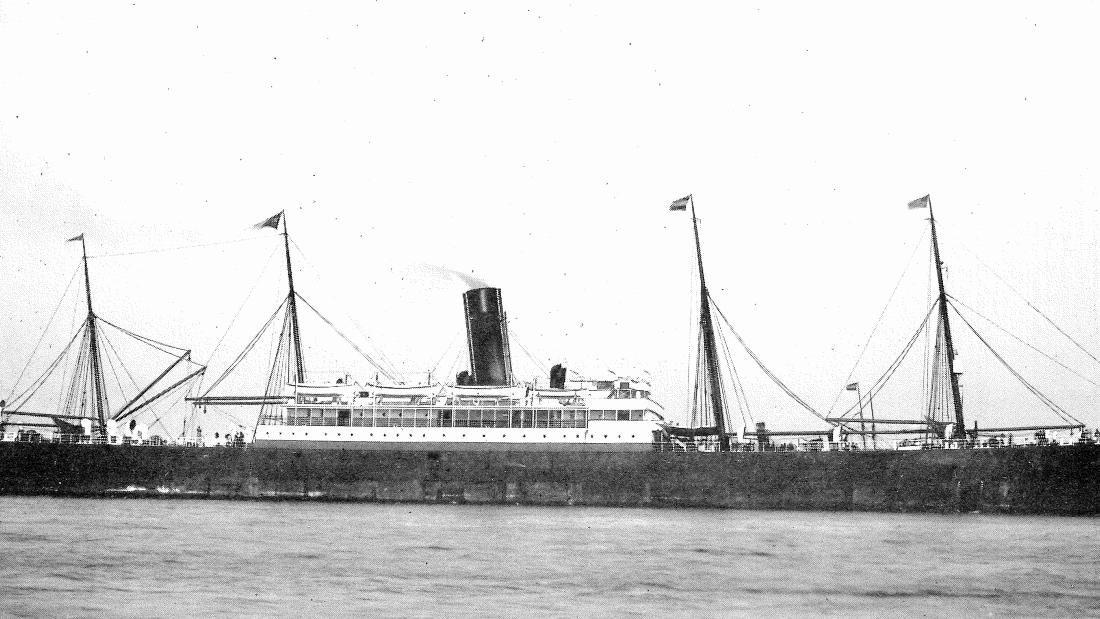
(538, 147)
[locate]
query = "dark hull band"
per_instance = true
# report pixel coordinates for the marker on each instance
(1021, 480)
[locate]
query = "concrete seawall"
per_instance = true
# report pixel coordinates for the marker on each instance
(1036, 480)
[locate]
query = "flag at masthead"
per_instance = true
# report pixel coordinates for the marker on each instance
(297, 365)
(711, 372)
(945, 324)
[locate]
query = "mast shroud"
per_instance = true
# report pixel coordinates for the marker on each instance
(710, 348)
(292, 310)
(956, 397)
(98, 387)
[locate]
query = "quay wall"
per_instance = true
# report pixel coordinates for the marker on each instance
(1061, 480)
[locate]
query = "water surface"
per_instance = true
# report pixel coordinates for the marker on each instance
(141, 557)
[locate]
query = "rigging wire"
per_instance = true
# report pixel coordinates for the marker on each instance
(538, 364)
(110, 365)
(885, 377)
(1058, 410)
(247, 348)
(29, 392)
(1022, 341)
(67, 351)
(739, 395)
(328, 322)
(276, 368)
(446, 351)
(699, 385)
(179, 248)
(41, 337)
(161, 346)
(775, 379)
(240, 308)
(928, 368)
(1029, 303)
(111, 347)
(79, 378)
(937, 383)
(878, 321)
(389, 364)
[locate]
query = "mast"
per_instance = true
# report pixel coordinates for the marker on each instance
(710, 348)
(956, 398)
(292, 310)
(99, 391)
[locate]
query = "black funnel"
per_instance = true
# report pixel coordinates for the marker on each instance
(487, 336)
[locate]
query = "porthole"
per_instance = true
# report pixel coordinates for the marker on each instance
(543, 436)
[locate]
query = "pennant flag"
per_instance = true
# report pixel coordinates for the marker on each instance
(681, 204)
(270, 222)
(79, 237)
(852, 387)
(921, 202)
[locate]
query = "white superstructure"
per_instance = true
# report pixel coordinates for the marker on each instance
(615, 414)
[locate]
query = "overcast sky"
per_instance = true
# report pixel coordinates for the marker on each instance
(538, 147)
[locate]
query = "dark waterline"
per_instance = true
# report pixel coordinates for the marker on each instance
(65, 556)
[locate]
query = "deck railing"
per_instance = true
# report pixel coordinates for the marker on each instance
(85, 439)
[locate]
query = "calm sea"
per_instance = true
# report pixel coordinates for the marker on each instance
(142, 557)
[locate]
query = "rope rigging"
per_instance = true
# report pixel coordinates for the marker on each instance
(446, 352)
(247, 349)
(889, 373)
(538, 364)
(1053, 406)
(34, 351)
(775, 379)
(168, 349)
(385, 372)
(178, 248)
(27, 393)
(878, 321)
(240, 308)
(389, 364)
(739, 395)
(1022, 341)
(1030, 304)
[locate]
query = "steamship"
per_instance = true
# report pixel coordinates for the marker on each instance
(484, 409)
(576, 441)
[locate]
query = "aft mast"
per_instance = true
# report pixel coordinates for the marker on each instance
(706, 328)
(953, 379)
(292, 311)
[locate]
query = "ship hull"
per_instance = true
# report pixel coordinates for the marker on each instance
(1048, 480)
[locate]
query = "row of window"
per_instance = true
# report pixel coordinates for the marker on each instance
(460, 414)
(411, 435)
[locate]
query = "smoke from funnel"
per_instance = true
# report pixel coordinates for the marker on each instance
(468, 280)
